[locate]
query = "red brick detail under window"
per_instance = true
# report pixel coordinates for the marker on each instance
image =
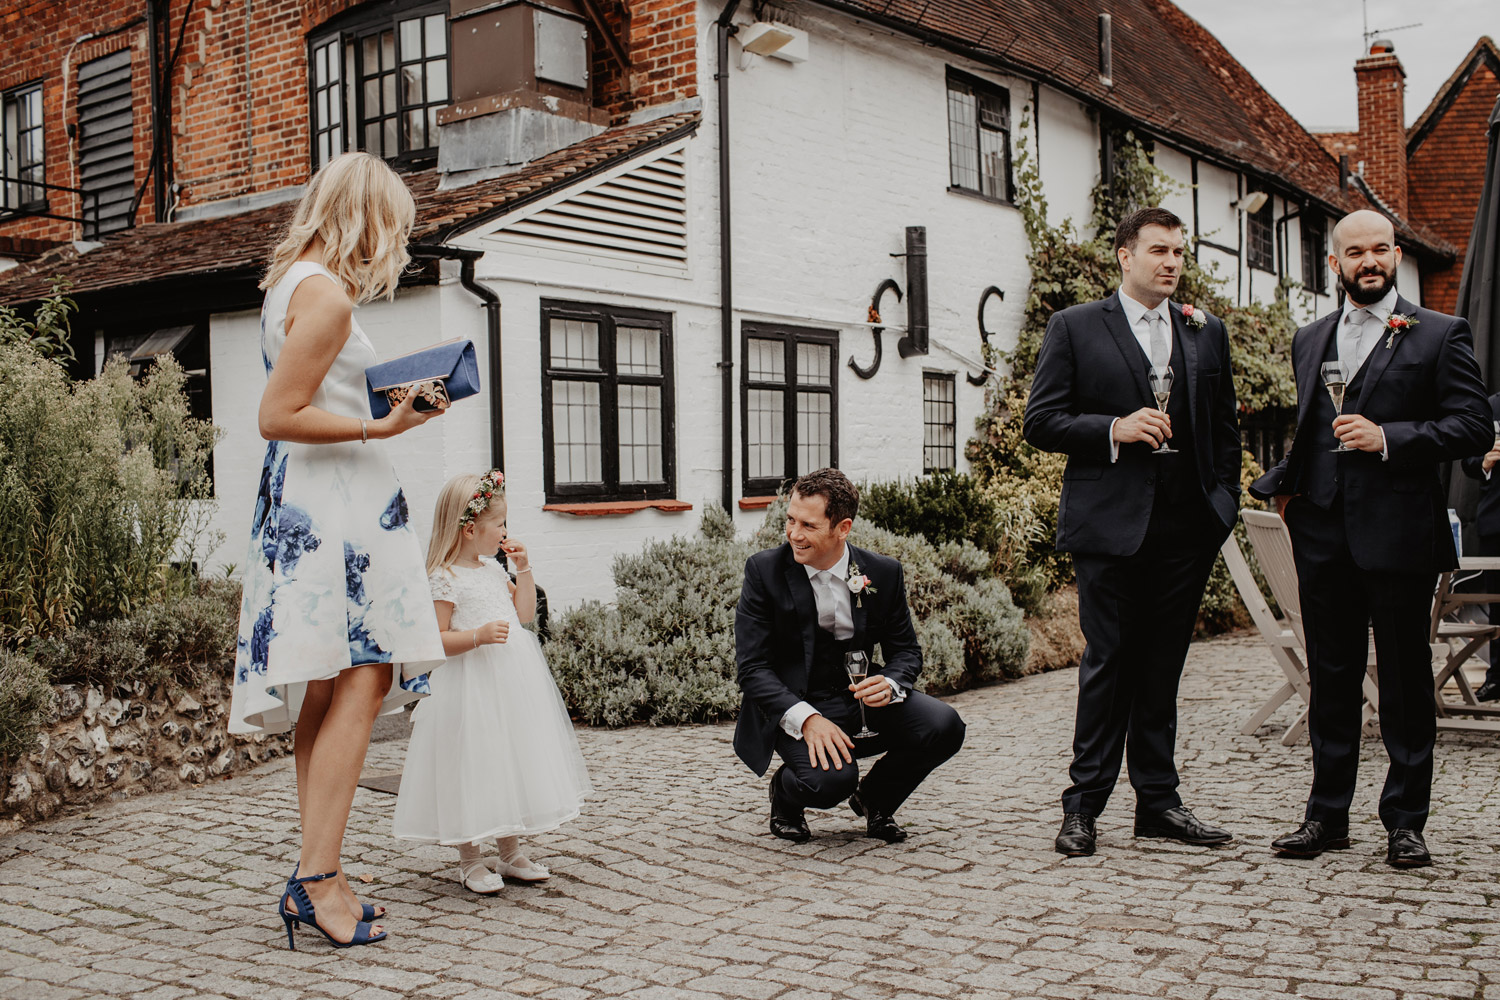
(756, 503)
(615, 507)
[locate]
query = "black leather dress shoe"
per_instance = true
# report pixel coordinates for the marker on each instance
(1076, 838)
(1179, 823)
(1407, 849)
(1311, 839)
(879, 825)
(787, 821)
(1488, 691)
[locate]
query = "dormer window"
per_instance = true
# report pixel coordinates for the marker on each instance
(377, 79)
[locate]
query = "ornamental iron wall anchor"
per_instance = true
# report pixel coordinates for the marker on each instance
(984, 334)
(915, 342)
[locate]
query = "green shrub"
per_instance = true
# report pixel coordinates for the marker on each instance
(941, 507)
(663, 654)
(25, 699)
(102, 487)
(183, 640)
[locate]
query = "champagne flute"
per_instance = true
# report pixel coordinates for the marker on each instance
(1497, 434)
(1337, 380)
(1161, 388)
(857, 665)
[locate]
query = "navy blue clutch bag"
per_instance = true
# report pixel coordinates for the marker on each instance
(444, 372)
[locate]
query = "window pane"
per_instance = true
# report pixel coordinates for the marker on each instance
(637, 350)
(765, 360)
(433, 133)
(388, 146)
(576, 449)
(372, 137)
(387, 50)
(575, 344)
(437, 35)
(320, 67)
(814, 431)
(372, 97)
(640, 434)
(411, 85)
(437, 80)
(963, 151)
(416, 129)
(765, 418)
(371, 46)
(995, 162)
(387, 94)
(814, 364)
(411, 40)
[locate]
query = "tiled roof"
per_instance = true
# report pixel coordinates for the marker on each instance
(240, 244)
(1484, 50)
(1169, 74)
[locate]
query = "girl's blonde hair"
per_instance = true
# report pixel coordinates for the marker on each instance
(447, 530)
(365, 214)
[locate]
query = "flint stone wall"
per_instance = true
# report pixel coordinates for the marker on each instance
(97, 746)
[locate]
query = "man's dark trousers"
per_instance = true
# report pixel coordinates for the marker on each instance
(1138, 614)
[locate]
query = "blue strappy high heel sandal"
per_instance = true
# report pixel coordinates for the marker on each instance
(296, 891)
(367, 912)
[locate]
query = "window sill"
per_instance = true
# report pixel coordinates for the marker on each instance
(756, 503)
(980, 196)
(603, 507)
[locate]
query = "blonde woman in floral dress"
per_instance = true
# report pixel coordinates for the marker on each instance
(336, 623)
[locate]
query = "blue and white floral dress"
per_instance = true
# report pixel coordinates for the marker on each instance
(335, 575)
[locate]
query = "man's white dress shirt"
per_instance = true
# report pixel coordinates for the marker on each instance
(835, 607)
(1360, 330)
(1140, 319)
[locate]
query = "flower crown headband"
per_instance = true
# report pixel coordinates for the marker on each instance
(489, 485)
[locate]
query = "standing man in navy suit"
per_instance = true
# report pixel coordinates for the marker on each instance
(1370, 530)
(803, 606)
(1143, 527)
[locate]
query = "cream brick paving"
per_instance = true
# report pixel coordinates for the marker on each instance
(670, 888)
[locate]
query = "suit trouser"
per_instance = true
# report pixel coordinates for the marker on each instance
(916, 735)
(1489, 545)
(1339, 603)
(1138, 613)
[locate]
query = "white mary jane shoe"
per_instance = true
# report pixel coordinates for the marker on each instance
(533, 872)
(479, 879)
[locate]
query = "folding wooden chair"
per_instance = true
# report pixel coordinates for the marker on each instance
(1273, 551)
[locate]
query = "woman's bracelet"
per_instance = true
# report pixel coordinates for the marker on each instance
(475, 634)
(520, 571)
(363, 433)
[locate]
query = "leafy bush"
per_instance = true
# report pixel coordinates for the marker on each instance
(183, 640)
(101, 484)
(664, 653)
(25, 699)
(941, 507)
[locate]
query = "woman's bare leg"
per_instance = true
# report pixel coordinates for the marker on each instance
(326, 783)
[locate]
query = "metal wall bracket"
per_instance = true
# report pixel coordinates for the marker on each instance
(984, 334)
(888, 285)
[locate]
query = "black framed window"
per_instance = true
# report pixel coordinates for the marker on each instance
(789, 399)
(1260, 238)
(21, 137)
(979, 137)
(377, 79)
(1315, 254)
(607, 425)
(939, 422)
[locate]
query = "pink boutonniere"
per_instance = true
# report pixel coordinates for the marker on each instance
(1194, 317)
(1397, 323)
(858, 582)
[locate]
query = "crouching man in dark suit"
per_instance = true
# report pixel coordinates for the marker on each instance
(805, 605)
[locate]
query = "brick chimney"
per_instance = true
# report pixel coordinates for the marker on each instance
(1382, 122)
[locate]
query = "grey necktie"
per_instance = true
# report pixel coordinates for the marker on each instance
(1161, 354)
(1349, 341)
(823, 579)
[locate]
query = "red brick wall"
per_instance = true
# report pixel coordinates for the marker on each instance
(239, 89)
(1445, 175)
(1382, 127)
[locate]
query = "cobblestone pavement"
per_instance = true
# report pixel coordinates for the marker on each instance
(670, 887)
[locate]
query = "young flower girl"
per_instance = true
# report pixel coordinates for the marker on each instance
(492, 751)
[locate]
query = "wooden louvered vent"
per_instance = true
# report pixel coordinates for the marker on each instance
(639, 214)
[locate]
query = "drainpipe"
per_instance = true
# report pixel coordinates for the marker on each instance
(723, 29)
(491, 301)
(158, 188)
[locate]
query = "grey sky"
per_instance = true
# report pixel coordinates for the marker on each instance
(1303, 51)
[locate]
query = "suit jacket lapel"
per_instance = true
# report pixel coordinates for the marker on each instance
(1114, 321)
(1309, 382)
(1189, 343)
(1380, 356)
(806, 604)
